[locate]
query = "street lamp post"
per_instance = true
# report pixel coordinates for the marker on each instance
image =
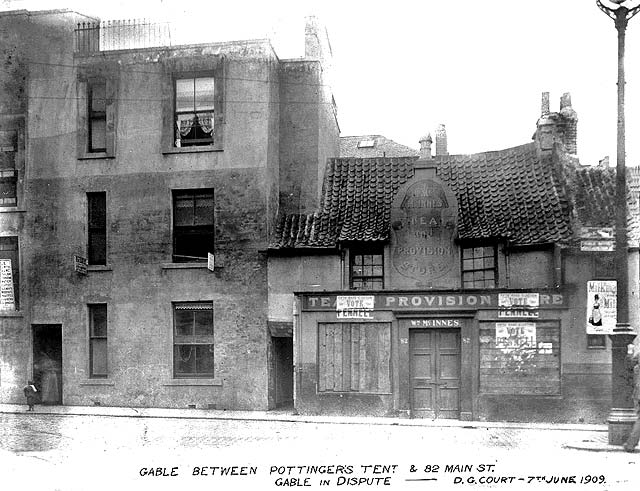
(622, 415)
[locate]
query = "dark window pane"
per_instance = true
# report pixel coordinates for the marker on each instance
(184, 357)
(99, 357)
(184, 215)
(98, 133)
(204, 210)
(203, 322)
(98, 315)
(184, 322)
(97, 248)
(204, 359)
(97, 209)
(98, 97)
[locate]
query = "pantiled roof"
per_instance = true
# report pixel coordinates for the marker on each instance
(381, 147)
(508, 194)
(594, 200)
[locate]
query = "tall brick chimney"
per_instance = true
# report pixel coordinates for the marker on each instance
(441, 140)
(425, 147)
(556, 127)
(570, 118)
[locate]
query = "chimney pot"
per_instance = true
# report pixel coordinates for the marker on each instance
(441, 140)
(425, 146)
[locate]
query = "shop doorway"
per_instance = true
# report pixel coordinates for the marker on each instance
(435, 373)
(283, 361)
(47, 362)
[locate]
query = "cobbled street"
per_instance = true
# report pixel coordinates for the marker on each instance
(68, 452)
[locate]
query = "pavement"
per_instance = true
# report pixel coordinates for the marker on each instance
(589, 437)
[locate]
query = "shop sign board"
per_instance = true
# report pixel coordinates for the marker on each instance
(80, 264)
(600, 245)
(423, 228)
(436, 323)
(601, 307)
(355, 306)
(513, 336)
(431, 301)
(7, 295)
(518, 314)
(530, 300)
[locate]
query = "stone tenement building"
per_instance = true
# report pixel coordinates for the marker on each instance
(125, 167)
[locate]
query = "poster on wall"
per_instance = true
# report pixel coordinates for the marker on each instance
(601, 307)
(7, 297)
(513, 336)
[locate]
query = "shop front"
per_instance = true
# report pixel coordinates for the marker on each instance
(426, 355)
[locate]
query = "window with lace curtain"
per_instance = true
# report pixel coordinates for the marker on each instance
(194, 111)
(193, 340)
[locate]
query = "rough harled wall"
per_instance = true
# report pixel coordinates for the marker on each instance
(28, 42)
(139, 282)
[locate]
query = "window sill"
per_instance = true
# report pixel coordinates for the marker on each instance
(191, 382)
(184, 265)
(194, 149)
(11, 313)
(11, 209)
(96, 156)
(98, 268)
(97, 382)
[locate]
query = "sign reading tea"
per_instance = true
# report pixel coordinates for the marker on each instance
(423, 227)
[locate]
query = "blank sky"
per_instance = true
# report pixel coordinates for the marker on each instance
(401, 68)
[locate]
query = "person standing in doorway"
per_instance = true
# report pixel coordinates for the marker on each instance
(50, 384)
(634, 358)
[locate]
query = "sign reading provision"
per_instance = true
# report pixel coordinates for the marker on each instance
(435, 301)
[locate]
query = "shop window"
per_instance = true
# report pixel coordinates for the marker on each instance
(97, 228)
(8, 173)
(596, 341)
(354, 357)
(366, 271)
(98, 340)
(194, 111)
(479, 267)
(9, 273)
(97, 112)
(193, 340)
(193, 225)
(96, 117)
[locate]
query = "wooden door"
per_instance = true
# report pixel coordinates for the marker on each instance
(435, 373)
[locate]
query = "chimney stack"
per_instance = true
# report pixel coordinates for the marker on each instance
(570, 118)
(441, 140)
(545, 104)
(425, 147)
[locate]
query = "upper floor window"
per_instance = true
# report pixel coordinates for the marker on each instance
(96, 128)
(194, 111)
(479, 267)
(97, 227)
(366, 271)
(9, 273)
(8, 173)
(97, 116)
(193, 224)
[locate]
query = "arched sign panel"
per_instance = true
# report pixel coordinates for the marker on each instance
(423, 228)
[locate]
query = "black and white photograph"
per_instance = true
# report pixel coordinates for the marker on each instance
(355, 245)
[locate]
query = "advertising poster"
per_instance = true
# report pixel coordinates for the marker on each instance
(7, 297)
(601, 307)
